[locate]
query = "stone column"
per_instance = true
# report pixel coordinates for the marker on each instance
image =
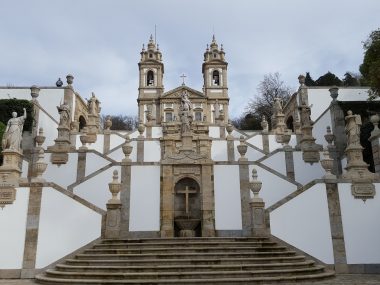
(208, 207)
(264, 135)
(289, 162)
(125, 194)
(167, 202)
(113, 216)
(336, 228)
(81, 170)
(245, 196)
(140, 143)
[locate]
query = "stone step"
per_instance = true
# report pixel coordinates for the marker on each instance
(182, 267)
(187, 261)
(184, 275)
(186, 240)
(194, 249)
(164, 256)
(182, 244)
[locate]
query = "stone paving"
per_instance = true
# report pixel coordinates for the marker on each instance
(346, 279)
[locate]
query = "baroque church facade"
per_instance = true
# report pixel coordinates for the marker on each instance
(186, 179)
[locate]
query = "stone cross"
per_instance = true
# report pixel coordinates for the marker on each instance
(187, 192)
(183, 76)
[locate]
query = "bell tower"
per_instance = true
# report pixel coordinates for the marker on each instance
(214, 69)
(151, 71)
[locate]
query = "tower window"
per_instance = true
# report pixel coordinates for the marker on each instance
(150, 78)
(198, 116)
(215, 77)
(168, 116)
(150, 55)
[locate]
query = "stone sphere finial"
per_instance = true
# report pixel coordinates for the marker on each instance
(69, 79)
(59, 82)
(334, 92)
(114, 188)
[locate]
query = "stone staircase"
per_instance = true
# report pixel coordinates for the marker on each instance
(186, 261)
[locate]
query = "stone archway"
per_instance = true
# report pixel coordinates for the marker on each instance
(187, 208)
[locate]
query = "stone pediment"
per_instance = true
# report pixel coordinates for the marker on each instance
(176, 93)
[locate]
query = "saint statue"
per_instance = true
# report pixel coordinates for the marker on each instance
(353, 123)
(64, 115)
(13, 133)
(185, 102)
(92, 105)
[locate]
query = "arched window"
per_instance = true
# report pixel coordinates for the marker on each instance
(150, 78)
(215, 77)
(289, 123)
(82, 123)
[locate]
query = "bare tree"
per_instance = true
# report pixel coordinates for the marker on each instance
(122, 122)
(268, 89)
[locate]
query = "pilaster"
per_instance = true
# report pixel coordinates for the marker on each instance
(265, 139)
(245, 196)
(140, 149)
(81, 168)
(107, 141)
(31, 233)
(167, 202)
(208, 207)
(230, 149)
(125, 196)
(289, 162)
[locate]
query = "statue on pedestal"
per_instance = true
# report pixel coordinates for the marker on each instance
(186, 104)
(13, 133)
(64, 115)
(353, 123)
(93, 105)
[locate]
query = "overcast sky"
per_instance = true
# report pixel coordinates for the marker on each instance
(99, 42)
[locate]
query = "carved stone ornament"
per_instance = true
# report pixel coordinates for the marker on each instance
(7, 195)
(127, 149)
(242, 148)
(114, 188)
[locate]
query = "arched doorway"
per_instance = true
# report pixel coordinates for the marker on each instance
(289, 123)
(82, 123)
(187, 208)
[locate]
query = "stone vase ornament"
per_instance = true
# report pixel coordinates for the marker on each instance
(242, 148)
(327, 164)
(255, 185)
(114, 188)
(257, 205)
(40, 138)
(40, 167)
(329, 136)
(83, 139)
(141, 128)
(127, 148)
(286, 137)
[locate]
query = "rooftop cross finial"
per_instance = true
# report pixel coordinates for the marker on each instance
(183, 76)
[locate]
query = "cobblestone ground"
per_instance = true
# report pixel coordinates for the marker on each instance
(347, 279)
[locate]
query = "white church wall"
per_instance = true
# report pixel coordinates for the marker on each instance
(219, 151)
(344, 163)
(95, 190)
(115, 141)
(257, 141)
(145, 198)
(251, 154)
(152, 151)
(50, 129)
(361, 226)
(319, 129)
(135, 134)
(273, 145)
(118, 154)
(274, 188)
(353, 94)
(227, 197)
(94, 162)
(12, 237)
(18, 93)
(214, 132)
(276, 162)
(24, 168)
(319, 99)
(304, 223)
(97, 145)
(306, 172)
(49, 99)
(237, 134)
(65, 225)
(156, 132)
(64, 174)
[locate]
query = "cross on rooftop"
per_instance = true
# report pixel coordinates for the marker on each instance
(187, 192)
(183, 76)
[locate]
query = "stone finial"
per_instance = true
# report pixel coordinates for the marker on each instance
(375, 121)
(40, 165)
(34, 92)
(329, 136)
(301, 79)
(255, 185)
(69, 79)
(327, 164)
(127, 148)
(59, 83)
(40, 138)
(242, 148)
(286, 137)
(141, 128)
(334, 92)
(83, 138)
(114, 188)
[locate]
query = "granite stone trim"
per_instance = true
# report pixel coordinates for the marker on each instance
(229, 233)
(363, 268)
(140, 150)
(279, 174)
(245, 198)
(289, 164)
(255, 147)
(125, 194)
(81, 166)
(230, 150)
(106, 141)
(266, 156)
(10, 273)
(75, 184)
(144, 234)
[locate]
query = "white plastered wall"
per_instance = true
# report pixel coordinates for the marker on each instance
(145, 198)
(97, 145)
(118, 154)
(12, 237)
(64, 174)
(219, 151)
(65, 225)
(115, 141)
(361, 227)
(319, 129)
(50, 129)
(276, 162)
(156, 132)
(227, 197)
(94, 162)
(214, 132)
(95, 190)
(304, 223)
(152, 151)
(306, 172)
(257, 141)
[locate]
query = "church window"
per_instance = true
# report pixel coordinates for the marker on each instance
(215, 77)
(168, 116)
(150, 55)
(150, 78)
(198, 116)
(214, 55)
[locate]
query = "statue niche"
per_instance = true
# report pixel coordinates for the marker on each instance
(187, 208)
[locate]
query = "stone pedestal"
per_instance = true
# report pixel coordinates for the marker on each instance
(289, 162)
(259, 227)
(10, 171)
(61, 147)
(113, 220)
(93, 128)
(310, 150)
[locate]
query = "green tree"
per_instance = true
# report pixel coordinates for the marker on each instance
(350, 79)
(268, 89)
(308, 80)
(328, 79)
(370, 68)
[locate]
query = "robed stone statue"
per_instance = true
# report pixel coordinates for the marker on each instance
(13, 133)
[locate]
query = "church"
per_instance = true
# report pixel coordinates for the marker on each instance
(186, 198)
